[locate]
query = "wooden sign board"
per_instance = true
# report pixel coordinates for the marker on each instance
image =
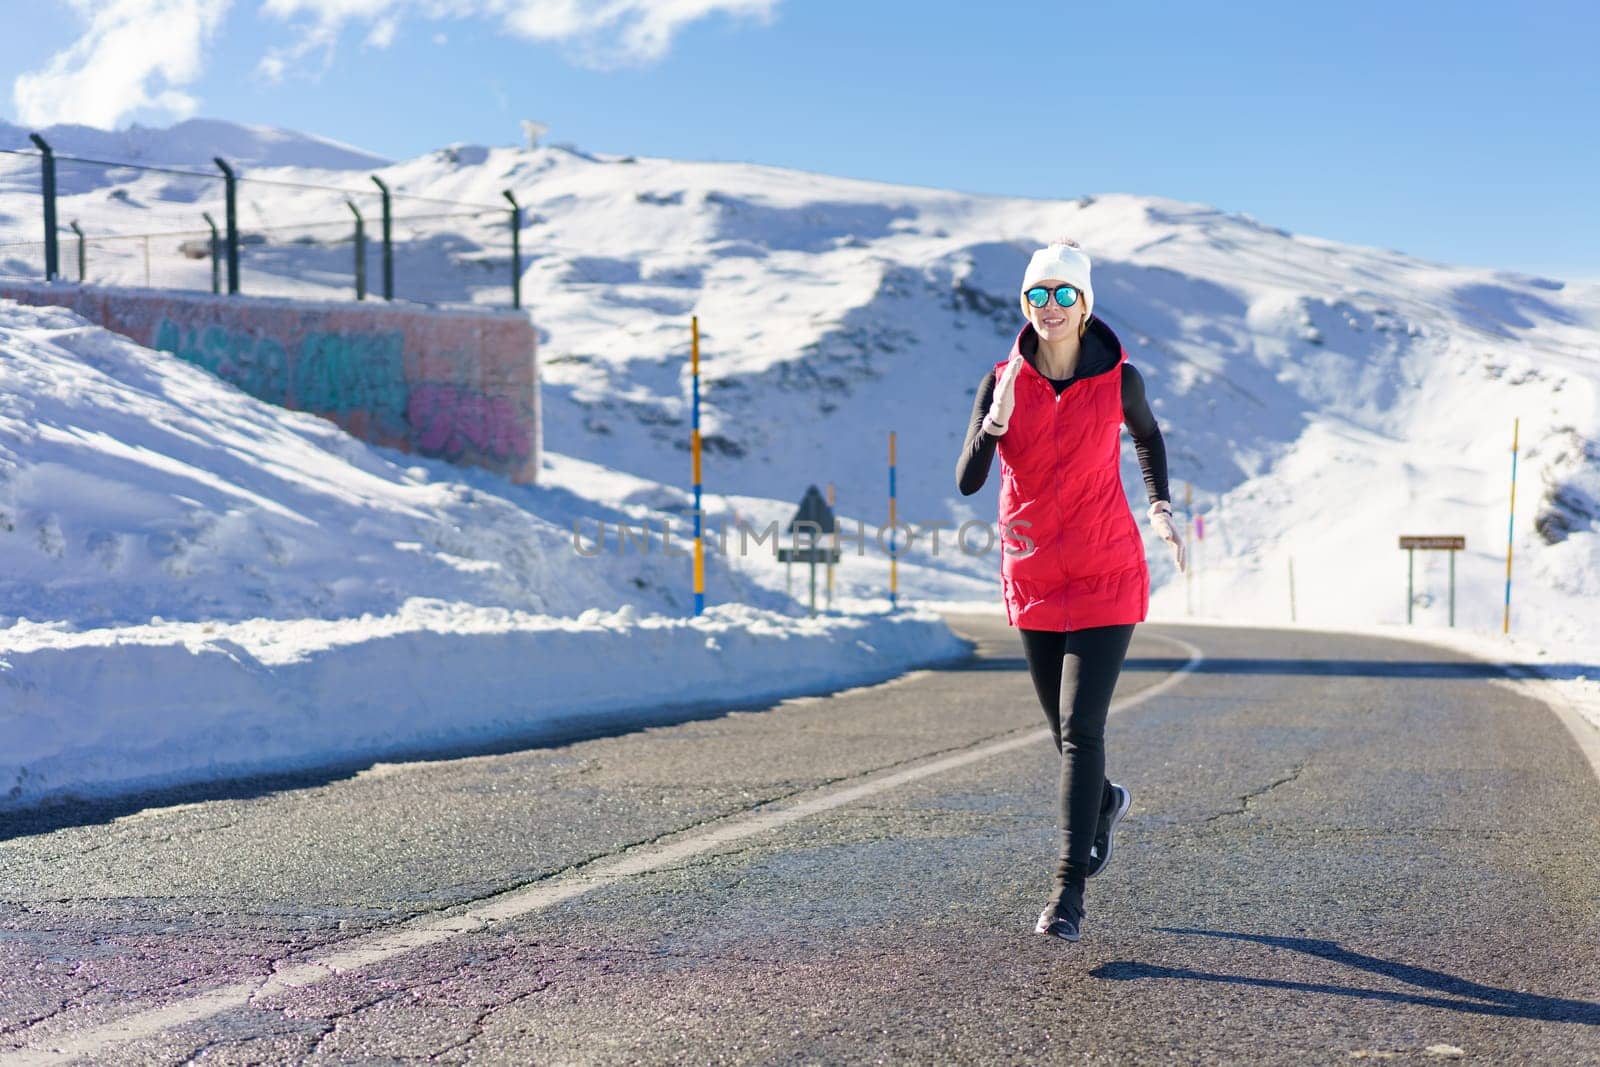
(1455, 543)
(808, 554)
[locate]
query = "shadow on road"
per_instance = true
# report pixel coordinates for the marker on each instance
(1486, 1000)
(1351, 668)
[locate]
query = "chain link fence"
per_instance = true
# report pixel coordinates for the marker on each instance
(133, 224)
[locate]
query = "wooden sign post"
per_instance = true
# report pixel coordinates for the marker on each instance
(1445, 543)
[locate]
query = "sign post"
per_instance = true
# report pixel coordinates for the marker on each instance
(817, 518)
(1445, 543)
(835, 549)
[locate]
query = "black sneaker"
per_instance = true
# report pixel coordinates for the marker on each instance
(1100, 855)
(1063, 920)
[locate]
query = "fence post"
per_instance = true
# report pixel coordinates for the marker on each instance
(361, 250)
(82, 258)
(388, 241)
(230, 183)
(47, 175)
(516, 248)
(216, 248)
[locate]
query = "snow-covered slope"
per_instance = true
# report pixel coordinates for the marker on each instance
(196, 584)
(133, 484)
(1320, 398)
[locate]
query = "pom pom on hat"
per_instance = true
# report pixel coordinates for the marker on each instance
(1065, 260)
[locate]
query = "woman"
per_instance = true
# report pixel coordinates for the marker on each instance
(1072, 560)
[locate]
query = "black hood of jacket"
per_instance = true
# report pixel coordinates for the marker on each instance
(1099, 350)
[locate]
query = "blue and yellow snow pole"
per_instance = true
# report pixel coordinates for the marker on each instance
(1505, 623)
(694, 451)
(894, 569)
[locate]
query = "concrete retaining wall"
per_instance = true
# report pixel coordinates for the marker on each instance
(459, 384)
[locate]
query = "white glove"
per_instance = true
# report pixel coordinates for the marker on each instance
(998, 419)
(1161, 522)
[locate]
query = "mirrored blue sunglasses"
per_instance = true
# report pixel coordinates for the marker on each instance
(1039, 296)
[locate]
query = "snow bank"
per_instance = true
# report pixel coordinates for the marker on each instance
(103, 711)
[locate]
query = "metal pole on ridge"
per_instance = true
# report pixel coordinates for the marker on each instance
(47, 182)
(388, 240)
(231, 217)
(516, 249)
(216, 253)
(83, 259)
(361, 250)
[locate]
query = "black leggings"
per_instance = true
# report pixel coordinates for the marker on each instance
(1077, 670)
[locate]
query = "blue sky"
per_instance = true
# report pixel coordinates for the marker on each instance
(1464, 132)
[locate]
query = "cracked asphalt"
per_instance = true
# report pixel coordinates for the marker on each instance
(1340, 848)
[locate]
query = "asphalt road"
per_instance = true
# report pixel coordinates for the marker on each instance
(1340, 848)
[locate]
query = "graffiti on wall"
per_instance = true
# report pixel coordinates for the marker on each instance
(448, 419)
(334, 371)
(351, 371)
(461, 386)
(258, 365)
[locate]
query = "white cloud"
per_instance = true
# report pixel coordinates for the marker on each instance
(133, 55)
(618, 32)
(382, 33)
(603, 33)
(140, 54)
(322, 21)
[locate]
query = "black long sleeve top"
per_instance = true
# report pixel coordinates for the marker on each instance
(977, 453)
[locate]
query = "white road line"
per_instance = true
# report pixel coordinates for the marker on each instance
(429, 930)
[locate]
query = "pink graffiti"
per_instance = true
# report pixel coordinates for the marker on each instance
(447, 419)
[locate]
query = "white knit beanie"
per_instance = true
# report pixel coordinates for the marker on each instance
(1064, 260)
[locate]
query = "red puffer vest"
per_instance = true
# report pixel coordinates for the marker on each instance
(1072, 556)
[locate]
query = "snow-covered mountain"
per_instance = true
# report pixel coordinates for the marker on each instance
(194, 142)
(1321, 398)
